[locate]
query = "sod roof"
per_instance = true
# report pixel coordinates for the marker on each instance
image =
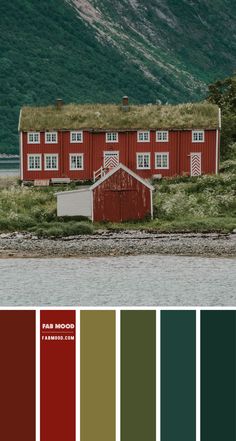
(112, 117)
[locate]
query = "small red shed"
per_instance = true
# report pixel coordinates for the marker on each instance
(121, 195)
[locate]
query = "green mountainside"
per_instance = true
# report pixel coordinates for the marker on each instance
(98, 50)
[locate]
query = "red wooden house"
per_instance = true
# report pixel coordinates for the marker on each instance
(79, 142)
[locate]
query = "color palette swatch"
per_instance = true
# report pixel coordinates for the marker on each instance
(118, 375)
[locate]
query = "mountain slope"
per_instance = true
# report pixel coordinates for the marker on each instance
(86, 51)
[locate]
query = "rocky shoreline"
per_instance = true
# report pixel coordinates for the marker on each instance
(109, 243)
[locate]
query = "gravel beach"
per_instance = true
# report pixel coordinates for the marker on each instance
(107, 243)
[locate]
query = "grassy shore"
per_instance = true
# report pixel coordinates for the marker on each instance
(182, 204)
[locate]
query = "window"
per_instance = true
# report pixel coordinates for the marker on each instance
(143, 136)
(34, 162)
(143, 160)
(162, 136)
(161, 160)
(51, 137)
(76, 161)
(51, 162)
(198, 136)
(112, 137)
(76, 136)
(33, 138)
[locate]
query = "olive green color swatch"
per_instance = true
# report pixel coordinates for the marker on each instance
(178, 375)
(138, 375)
(218, 375)
(97, 376)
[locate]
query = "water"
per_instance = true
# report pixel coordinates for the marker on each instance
(132, 281)
(9, 172)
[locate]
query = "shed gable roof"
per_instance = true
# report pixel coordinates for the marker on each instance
(111, 117)
(130, 172)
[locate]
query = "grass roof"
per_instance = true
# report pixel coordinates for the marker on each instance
(112, 117)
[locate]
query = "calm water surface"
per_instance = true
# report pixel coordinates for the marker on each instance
(132, 281)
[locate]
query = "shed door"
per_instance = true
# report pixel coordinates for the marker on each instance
(196, 164)
(111, 159)
(120, 205)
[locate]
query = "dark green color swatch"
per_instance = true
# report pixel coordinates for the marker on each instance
(138, 376)
(218, 375)
(178, 376)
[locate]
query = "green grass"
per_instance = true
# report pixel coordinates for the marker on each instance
(110, 116)
(181, 204)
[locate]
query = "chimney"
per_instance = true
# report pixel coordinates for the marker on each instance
(125, 103)
(59, 103)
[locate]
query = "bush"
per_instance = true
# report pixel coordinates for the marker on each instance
(60, 229)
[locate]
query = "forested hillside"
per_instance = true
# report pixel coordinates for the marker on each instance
(96, 51)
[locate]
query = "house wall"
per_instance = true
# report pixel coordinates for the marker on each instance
(121, 197)
(94, 145)
(74, 203)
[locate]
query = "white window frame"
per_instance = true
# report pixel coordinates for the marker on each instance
(137, 162)
(45, 161)
(162, 134)
(161, 154)
(35, 135)
(76, 133)
(82, 161)
(51, 134)
(112, 134)
(141, 132)
(34, 156)
(198, 132)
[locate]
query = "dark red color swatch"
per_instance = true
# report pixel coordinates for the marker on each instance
(57, 377)
(17, 375)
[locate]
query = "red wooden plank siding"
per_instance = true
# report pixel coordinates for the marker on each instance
(179, 147)
(17, 375)
(57, 374)
(121, 197)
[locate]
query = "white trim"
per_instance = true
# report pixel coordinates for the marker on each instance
(73, 191)
(76, 168)
(123, 167)
(143, 131)
(111, 141)
(198, 375)
(34, 155)
(217, 150)
(162, 132)
(162, 153)
(19, 122)
(92, 209)
(220, 118)
(51, 133)
(118, 374)
(76, 132)
(143, 168)
(110, 152)
(200, 156)
(158, 374)
(21, 157)
(33, 133)
(151, 202)
(198, 132)
(45, 161)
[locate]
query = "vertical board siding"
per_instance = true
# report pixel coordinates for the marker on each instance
(121, 198)
(218, 375)
(17, 375)
(178, 375)
(138, 375)
(57, 376)
(179, 147)
(97, 376)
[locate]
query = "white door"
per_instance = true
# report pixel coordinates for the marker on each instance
(111, 159)
(196, 164)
